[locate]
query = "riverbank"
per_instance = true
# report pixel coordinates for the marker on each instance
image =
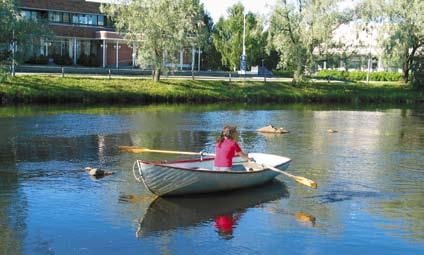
(54, 89)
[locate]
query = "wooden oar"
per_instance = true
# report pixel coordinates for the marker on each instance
(135, 149)
(299, 179)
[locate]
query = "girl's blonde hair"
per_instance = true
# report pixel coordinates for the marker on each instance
(229, 132)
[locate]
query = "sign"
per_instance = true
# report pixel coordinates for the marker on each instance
(243, 62)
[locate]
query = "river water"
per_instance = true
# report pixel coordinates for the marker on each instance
(370, 198)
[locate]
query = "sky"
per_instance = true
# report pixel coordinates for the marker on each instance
(218, 8)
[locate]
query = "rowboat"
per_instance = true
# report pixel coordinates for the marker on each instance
(166, 214)
(197, 176)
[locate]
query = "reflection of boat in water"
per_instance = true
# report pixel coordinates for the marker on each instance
(170, 213)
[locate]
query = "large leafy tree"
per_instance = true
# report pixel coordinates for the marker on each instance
(211, 58)
(159, 28)
(298, 28)
(402, 33)
(13, 27)
(228, 37)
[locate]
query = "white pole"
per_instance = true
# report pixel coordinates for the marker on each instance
(117, 54)
(244, 34)
(193, 59)
(198, 62)
(244, 45)
(75, 51)
(104, 53)
(181, 59)
(133, 55)
(369, 69)
(13, 54)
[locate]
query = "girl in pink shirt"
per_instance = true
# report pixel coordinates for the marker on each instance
(227, 148)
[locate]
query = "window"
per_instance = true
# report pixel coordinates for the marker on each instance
(26, 14)
(65, 17)
(55, 16)
(74, 18)
(33, 15)
(82, 19)
(100, 20)
(92, 20)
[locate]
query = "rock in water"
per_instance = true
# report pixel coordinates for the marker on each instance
(272, 129)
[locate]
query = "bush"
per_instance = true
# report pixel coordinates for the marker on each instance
(38, 60)
(283, 73)
(358, 75)
(331, 75)
(64, 60)
(86, 60)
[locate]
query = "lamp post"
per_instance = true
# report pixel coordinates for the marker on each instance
(13, 53)
(369, 55)
(243, 56)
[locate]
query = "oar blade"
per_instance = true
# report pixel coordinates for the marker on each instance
(306, 182)
(132, 149)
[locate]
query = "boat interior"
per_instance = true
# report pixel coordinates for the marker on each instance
(239, 164)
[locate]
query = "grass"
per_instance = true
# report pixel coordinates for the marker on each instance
(54, 89)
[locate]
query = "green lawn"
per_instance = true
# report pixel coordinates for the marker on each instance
(54, 89)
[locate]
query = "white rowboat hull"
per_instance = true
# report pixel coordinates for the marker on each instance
(196, 176)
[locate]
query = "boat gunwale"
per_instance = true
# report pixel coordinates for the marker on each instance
(159, 163)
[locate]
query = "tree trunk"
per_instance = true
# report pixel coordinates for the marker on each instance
(299, 73)
(405, 70)
(409, 58)
(156, 74)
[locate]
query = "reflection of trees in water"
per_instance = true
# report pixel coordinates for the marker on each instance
(92, 147)
(402, 171)
(13, 214)
(409, 209)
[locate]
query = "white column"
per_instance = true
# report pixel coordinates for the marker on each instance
(70, 48)
(134, 50)
(117, 54)
(104, 53)
(193, 57)
(75, 50)
(198, 62)
(181, 59)
(325, 65)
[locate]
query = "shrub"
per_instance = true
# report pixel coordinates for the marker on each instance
(64, 60)
(283, 73)
(358, 75)
(38, 60)
(331, 75)
(86, 60)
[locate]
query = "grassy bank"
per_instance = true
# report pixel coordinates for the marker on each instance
(53, 89)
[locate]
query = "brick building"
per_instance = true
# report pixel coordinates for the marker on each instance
(81, 31)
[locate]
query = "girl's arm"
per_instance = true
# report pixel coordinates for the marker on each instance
(244, 156)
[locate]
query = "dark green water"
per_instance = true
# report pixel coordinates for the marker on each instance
(370, 198)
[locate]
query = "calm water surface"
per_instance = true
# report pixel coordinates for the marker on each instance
(370, 198)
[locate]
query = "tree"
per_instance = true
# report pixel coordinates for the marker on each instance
(159, 28)
(15, 28)
(228, 37)
(298, 29)
(402, 34)
(211, 58)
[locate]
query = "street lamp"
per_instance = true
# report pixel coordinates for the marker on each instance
(243, 56)
(13, 52)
